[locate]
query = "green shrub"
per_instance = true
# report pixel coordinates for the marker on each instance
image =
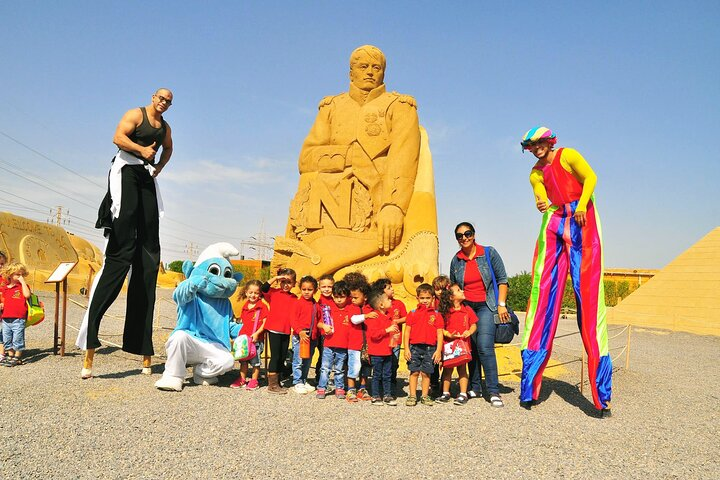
(519, 291)
(175, 266)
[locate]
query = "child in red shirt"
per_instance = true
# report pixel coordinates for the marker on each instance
(14, 294)
(422, 341)
(282, 307)
(336, 341)
(460, 322)
(305, 330)
(439, 283)
(398, 314)
(358, 370)
(325, 300)
(379, 334)
(253, 316)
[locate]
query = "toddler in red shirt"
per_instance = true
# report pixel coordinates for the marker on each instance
(460, 322)
(305, 331)
(358, 370)
(380, 330)
(3, 260)
(14, 293)
(398, 314)
(253, 316)
(422, 341)
(336, 334)
(282, 308)
(325, 300)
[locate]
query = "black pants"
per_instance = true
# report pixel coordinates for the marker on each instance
(134, 241)
(278, 350)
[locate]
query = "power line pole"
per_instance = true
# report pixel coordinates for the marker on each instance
(57, 216)
(191, 248)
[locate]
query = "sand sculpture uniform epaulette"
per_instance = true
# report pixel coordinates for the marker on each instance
(326, 101)
(409, 99)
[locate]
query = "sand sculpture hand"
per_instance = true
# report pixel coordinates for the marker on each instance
(390, 226)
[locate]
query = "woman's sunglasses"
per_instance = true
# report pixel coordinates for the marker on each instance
(466, 234)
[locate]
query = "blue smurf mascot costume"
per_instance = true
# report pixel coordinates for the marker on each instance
(205, 320)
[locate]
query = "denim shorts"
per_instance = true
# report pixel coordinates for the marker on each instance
(353, 357)
(255, 361)
(13, 334)
(421, 358)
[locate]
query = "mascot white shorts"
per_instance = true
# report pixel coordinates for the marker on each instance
(209, 359)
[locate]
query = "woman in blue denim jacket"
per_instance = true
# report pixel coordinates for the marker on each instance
(470, 270)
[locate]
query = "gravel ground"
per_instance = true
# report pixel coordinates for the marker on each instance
(665, 421)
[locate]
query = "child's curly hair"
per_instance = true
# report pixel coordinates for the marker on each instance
(243, 290)
(13, 268)
(446, 301)
(441, 282)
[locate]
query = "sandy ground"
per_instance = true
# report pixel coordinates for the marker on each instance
(666, 417)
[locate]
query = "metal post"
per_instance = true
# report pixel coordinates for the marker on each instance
(57, 313)
(64, 319)
(627, 348)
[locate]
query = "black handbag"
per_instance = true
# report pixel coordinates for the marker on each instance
(504, 332)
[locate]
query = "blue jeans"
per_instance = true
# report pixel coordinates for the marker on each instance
(382, 371)
(333, 357)
(13, 334)
(483, 346)
(301, 366)
(354, 364)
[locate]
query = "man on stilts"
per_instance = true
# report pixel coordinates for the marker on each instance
(130, 216)
(570, 239)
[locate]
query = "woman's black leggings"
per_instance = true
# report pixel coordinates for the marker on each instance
(279, 343)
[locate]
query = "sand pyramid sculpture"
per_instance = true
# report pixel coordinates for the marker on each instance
(683, 296)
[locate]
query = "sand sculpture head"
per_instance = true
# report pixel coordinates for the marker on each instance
(367, 67)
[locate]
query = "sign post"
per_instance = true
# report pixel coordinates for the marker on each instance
(58, 276)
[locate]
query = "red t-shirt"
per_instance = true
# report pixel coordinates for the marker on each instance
(397, 309)
(378, 339)
(473, 284)
(457, 321)
(323, 300)
(355, 335)
(14, 302)
(307, 315)
(282, 308)
(424, 323)
(341, 325)
(248, 315)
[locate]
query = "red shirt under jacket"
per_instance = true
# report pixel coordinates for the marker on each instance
(473, 284)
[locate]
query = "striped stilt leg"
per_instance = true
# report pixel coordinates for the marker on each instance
(549, 273)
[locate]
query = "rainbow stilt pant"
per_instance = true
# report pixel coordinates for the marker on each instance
(561, 246)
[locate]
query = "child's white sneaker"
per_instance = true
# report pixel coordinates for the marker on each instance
(308, 388)
(169, 384)
(300, 389)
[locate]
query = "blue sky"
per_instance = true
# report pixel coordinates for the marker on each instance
(634, 86)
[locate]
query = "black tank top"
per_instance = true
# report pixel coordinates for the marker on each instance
(145, 134)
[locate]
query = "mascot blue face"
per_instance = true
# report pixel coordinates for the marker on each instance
(215, 277)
